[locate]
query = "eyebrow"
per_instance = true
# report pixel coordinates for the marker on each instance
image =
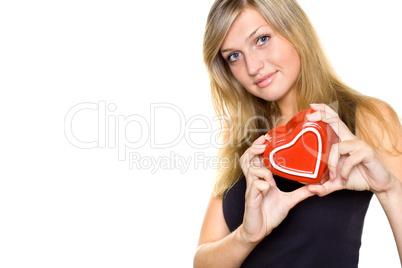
(248, 38)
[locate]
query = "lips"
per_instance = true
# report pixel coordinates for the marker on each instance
(266, 79)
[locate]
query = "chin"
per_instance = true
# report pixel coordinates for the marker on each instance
(271, 97)
(268, 94)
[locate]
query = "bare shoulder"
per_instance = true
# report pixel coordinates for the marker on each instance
(380, 126)
(372, 109)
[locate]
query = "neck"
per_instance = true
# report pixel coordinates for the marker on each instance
(288, 107)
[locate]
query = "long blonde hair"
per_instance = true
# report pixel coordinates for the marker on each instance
(317, 83)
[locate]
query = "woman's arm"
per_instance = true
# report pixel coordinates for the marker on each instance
(217, 247)
(390, 200)
(354, 165)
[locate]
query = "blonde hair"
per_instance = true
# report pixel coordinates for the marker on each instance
(317, 83)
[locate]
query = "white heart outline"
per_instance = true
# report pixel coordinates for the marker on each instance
(317, 165)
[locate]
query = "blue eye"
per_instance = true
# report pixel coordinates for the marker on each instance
(233, 57)
(262, 40)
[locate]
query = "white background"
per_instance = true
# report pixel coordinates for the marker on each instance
(64, 206)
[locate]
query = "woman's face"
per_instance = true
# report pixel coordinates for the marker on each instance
(264, 62)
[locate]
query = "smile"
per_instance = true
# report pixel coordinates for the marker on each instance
(266, 80)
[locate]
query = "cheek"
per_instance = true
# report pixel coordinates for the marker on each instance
(239, 73)
(286, 57)
(293, 60)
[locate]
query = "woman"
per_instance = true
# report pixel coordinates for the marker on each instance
(266, 64)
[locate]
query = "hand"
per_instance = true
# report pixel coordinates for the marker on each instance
(352, 163)
(266, 206)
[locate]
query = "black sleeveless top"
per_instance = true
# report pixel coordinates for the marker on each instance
(318, 232)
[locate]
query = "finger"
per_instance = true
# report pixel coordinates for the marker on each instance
(262, 164)
(325, 177)
(257, 148)
(260, 140)
(326, 188)
(256, 161)
(257, 188)
(325, 112)
(259, 173)
(338, 168)
(333, 160)
(353, 160)
(327, 115)
(351, 146)
(299, 195)
(336, 164)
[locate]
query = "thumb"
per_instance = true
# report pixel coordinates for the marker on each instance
(326, 188)
(299, 195)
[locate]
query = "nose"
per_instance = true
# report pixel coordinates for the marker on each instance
(254, 63)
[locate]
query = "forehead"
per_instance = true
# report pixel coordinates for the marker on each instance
(246, 23)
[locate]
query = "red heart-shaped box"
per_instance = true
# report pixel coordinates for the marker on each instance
(299, 150)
